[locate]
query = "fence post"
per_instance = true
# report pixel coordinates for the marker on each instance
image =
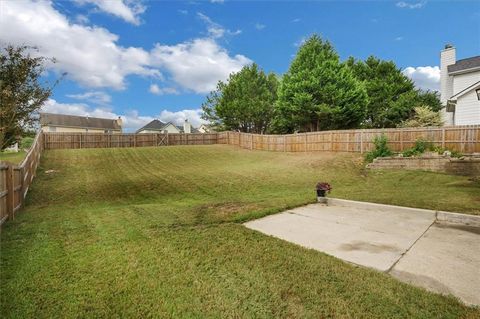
(348, 142)
(251, 141)
(284, 143)
(361, 142)
(331, 141)
(305, 142)
(401, 140)
(11, 193)
(443, 137)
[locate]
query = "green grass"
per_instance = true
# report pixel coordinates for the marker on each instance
(15, 158)
(156, 232)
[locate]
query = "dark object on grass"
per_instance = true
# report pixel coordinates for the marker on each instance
(323, 188)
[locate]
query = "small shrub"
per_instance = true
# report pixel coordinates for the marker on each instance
(381, 149)
(441, 150)
(420, 147)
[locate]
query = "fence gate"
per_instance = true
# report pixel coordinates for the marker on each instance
(162, 140)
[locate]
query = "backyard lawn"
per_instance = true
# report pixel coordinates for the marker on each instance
(15, 158)
(156, 232)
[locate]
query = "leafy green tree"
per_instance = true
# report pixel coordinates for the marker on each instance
(392, 95)
(21, 93)
(244, 103)
(318, 92)
(424, 116)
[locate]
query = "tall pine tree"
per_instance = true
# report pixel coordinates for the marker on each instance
(392, 95)
(319, 92)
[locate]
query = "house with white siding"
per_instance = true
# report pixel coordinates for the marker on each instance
(157, 126)
(460, 88)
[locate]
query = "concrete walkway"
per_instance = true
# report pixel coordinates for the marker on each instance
(407, 243)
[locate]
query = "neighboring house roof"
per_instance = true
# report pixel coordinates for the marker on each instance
(465, 64)
(192, 129)
(50, 119)
(155, 125)
(474, 86)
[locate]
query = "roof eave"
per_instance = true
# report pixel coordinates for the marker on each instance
(477, 68)
(83, 127)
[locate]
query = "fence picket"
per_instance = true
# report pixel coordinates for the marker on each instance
(465, 139)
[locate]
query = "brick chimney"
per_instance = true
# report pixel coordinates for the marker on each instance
(447, 57)
(187, 127)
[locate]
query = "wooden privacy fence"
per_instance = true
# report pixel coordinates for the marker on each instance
(100, 140)
(465, 139)
(16, 179)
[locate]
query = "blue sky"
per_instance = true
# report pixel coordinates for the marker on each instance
(158, 59)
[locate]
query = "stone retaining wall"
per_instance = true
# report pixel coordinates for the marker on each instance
(467, 166)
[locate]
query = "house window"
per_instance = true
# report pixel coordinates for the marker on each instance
(478, 94)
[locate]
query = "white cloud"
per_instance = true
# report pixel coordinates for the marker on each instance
(155, 89)
(193, 116)
(296, 20)
(217, 1)
(398, 38)
(82, 19)
(300, 42)
(131, 120)
(90, 55)
(96, 97)
(424, 77)
(259, 26)
(127, 10)
(411, 5)
(197, 65)
(214, 29)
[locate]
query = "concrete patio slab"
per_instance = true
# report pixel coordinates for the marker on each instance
(373, 238)
(446, 260)
(407, 242)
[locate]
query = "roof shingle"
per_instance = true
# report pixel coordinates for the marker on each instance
(155, 125)
(50, 119)
(465, 64)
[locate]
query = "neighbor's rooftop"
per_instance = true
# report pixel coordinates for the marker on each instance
(52, 119)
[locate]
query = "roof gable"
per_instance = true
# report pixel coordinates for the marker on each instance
(474, 86)
(155, 125)
(50, 119)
